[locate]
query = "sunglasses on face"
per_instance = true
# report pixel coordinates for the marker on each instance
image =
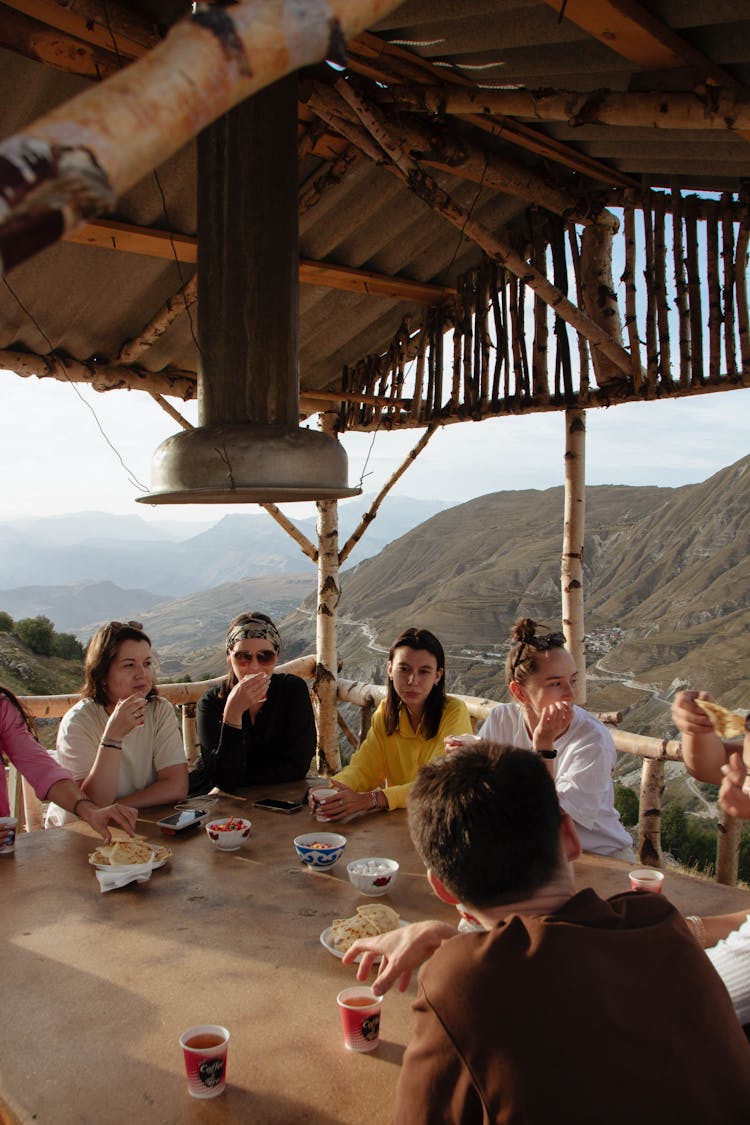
(541, 643)
(267, 656)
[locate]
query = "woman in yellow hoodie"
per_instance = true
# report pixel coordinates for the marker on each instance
(408, 729)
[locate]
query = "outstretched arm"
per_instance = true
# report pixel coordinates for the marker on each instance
(702, 750)
(402, 951)
(69, 796)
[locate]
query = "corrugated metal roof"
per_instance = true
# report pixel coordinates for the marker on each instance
(87, 301)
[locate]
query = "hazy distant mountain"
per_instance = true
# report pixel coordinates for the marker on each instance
(71, 607)
(188, 633)
(95, 547)
(78, 527)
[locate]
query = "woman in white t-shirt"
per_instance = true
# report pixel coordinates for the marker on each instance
(121, 741)
(578, 749)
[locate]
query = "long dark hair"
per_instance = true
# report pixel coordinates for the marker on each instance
(20, 708)
(433, 708)
(101, 653)
(526, 645)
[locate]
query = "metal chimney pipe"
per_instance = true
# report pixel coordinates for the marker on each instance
(248, 446)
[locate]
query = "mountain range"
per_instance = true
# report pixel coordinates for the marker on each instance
(68, 567)
(667, 590)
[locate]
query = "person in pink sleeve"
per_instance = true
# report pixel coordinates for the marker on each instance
(49, 780)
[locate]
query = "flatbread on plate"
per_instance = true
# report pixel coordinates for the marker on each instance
(369, 921)
(727, 724)
(123, 853)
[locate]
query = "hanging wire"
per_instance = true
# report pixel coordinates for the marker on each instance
(469, 213)
(27, 312)
(364, 472)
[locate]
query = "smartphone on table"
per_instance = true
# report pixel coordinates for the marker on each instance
(179, 821)
(275, 805)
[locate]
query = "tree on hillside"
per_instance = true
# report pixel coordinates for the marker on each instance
(6, 622)
(627, 805)
(67, 646)
(37, 633)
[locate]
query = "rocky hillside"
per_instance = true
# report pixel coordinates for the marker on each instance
(667, 591)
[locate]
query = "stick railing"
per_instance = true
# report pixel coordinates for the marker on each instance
(653, 751)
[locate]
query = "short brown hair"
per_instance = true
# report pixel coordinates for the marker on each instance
(100, 654)
(486, 820)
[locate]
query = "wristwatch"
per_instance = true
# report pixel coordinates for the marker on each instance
(548, 754)
(81, 801)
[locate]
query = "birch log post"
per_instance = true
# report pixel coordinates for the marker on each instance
(329, 594)
(189, 732)
(574, 531)
(599, 297)
(728, 849)
(75, 161)
(649, 820)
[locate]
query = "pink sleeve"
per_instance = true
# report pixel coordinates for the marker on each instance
(30, 759)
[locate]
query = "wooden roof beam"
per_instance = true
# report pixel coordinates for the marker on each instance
(110, 235)
(711, 107)
(513, 132)
(409, 172)
(633, 32)
(83, 37)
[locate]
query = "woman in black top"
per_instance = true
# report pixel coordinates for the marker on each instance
(256, 726)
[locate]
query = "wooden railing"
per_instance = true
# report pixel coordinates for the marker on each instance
(654, 752)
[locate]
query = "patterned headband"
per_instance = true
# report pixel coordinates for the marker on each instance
(254, 629)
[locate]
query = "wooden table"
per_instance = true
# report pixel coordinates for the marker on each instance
(96, 988)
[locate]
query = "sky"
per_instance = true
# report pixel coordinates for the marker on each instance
(55, 459)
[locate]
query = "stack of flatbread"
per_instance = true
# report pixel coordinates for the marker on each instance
(370, 920)
(125, 853)
(727, 724)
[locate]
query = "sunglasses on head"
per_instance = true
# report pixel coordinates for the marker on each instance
(266, 656)
(541, 643)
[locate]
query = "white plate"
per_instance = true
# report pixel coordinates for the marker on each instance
(121, 867)
(325, 939)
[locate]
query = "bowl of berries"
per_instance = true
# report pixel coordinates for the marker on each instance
(228, 835)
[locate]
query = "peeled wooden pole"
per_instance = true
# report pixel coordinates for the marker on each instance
(728, 849)
(74, 162)
(405, 168)
(649, 820)
(573, 537)
(329, 595)
(722, 108)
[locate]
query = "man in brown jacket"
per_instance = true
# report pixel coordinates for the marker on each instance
(570, 1008)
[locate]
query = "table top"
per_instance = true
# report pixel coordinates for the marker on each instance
(100, 986)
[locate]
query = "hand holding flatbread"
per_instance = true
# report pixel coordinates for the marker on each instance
(727, 724)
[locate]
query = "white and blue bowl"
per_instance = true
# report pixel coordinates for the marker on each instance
(320, 850)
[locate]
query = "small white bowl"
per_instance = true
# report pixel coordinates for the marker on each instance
(373, 876)
(228, 840)
(320, 849)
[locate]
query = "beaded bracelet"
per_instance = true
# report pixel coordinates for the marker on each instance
(81, 801)
(111, 744)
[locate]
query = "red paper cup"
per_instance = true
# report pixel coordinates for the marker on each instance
(647, 879)
(205, 1051)
(360, 1017)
